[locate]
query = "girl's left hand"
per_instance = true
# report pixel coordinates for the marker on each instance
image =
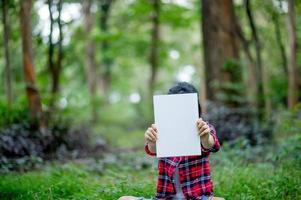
(203, 128)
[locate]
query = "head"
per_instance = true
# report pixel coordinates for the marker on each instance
(184, 88)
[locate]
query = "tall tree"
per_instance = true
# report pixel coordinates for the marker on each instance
(263, 100)
(105, 7)
(34, 101)
(220, 45)
(251, 79)
(154, 48)
(6, 29)
(277, 27)
(293, 73)
(55, 65)
(90, 62)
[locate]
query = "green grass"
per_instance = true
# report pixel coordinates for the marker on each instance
(258, 181)
(245, 173)
(74, 181)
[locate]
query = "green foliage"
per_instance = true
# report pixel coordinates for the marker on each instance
(287, 122)
(12, 114)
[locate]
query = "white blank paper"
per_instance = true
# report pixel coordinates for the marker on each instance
(175, 117)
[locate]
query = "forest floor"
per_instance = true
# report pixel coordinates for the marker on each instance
(239, 172)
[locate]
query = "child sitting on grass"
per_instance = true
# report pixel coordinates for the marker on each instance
(183, 177)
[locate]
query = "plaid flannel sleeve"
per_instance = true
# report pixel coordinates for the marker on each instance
(146, 149)
(216, 145)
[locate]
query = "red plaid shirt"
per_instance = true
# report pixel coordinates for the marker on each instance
(194, 173)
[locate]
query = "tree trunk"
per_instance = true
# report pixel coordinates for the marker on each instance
(6, 27)
(251, 82)
(293, 73)
(56, 80)
(51, 66)
(263, 100)
(35, 107)
(105, 6)
(220, 44)
(54, 65)
(90, 62)
(154, 51)
(277, 26)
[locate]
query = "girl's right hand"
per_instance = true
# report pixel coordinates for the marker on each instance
(151, 134)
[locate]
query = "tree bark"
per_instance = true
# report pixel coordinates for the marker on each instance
(6, 29)
(220, 44)
(34, 101)
(90, 62)
(155, 38)
(293, 73)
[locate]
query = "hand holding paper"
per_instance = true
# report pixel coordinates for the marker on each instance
(204, 133)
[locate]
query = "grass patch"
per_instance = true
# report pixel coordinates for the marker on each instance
(235, 171)
(73, 181)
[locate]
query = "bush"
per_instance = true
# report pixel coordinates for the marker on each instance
(287, 122)
(233, 123)
(23, 147)
(13, 114)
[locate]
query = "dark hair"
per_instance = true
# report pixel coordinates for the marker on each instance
(184, 88)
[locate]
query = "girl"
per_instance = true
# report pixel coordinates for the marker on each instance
(184, 177)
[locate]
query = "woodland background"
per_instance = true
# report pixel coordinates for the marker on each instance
(77, 80)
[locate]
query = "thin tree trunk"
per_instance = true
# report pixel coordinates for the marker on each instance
(105, 6)
(6, 27)
(154, 51)
(281, 46)
(55, 65)
(263, 79)
(35, 107)
(56, 84)
(293, 73)
(251, 82)
(275, 18)
(90, 62)
(50, 42)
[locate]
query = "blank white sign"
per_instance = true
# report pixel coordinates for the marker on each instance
(176, 116)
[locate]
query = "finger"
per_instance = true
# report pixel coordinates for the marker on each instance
(154, 135)
(154, 127)
(199, 120)
(149, 138)
(205, 127)
(151, 130)
(202, 134)
(205, 132)
(202, 125)
(150, 134)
